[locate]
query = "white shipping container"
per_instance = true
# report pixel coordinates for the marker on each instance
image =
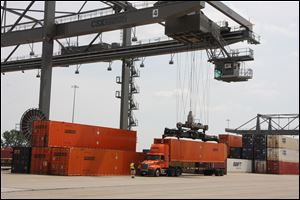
(280, 154)
(260, 166)
(282, 141)
(239, 165)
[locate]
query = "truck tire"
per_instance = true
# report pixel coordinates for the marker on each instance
(156, 173)
(208, 172)
(217, 172)
(205, 172)
(171, 172)
(177, 172)
(221, 172)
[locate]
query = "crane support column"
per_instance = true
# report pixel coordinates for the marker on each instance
(46, 65)
(125, 82)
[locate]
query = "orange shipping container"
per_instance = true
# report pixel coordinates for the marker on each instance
(194, 151)
(40, 160)
(92, 162)
(231, 140)
(62, 134)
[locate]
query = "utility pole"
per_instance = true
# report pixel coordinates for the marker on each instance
(75, 87)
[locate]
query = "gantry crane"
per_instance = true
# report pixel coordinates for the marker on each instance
(186, 25)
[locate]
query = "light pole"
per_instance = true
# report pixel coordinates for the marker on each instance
(75, 87)
(228, 123)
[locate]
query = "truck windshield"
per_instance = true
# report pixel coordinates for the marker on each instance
(153, 157)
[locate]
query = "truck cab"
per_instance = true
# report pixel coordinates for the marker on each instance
(156, 162)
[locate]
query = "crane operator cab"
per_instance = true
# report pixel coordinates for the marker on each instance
(232, 72)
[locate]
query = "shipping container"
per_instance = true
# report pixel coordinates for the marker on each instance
(260, 153)
(6, 152)
(285, 155)
(195, 151)
(239, 165)
(235, 152)
(247, 141)
(92, 162)
(278, 167)
(6, 156)
(21, 160)
(231, 140)
(247, 153)
(282, 141)
(260, 138)
(40, 160)
(62, 134)
(260, 166)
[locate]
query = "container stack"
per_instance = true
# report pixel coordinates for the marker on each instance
(234, 145)
(60, 148)
(234, 154)
(260, 153)
(21, 158)
(247, 150)
(283, 155)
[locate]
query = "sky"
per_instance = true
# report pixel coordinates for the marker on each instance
(273, 89)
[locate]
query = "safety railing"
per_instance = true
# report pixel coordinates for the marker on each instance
(74, 44)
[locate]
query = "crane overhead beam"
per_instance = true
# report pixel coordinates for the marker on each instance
(231, 14)
(132, 18)
(144, 50)
(279, 130)
(265, 132)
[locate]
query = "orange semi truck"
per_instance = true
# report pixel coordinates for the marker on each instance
(172, 157)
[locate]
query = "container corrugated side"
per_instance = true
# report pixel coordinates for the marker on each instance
(280, 154)
(260, 166)
(92, 162)
(282, 141)
(277, 167)
(63, 134)
(196, 151)
(40, 160)
(231, 140)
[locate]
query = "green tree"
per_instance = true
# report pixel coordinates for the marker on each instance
(14, 138)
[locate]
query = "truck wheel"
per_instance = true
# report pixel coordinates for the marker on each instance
(217, 172)
(205, 172)
(208, 172)
(178, 172)
(156, 173)
(171, 172)
(222, 172)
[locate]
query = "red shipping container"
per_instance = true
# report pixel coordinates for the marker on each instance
(40, 160)
(278, 167)
(92, 162)
(62, 134)
(6, 152)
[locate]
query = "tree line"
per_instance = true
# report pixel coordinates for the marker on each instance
(13, 138)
